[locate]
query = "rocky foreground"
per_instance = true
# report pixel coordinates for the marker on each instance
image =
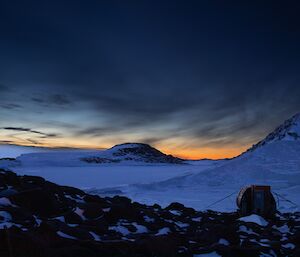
(40, 218)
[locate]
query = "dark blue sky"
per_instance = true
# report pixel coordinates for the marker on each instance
(207, 77)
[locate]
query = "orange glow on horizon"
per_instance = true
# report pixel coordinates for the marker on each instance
(190, 153)
(206, 153)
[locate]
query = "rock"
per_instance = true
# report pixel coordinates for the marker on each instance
(43, 219)
(92, 210)
(72, 218)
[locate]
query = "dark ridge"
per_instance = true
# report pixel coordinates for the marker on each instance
(135, 152)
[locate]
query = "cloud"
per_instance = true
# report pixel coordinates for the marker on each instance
(32, 141)
(20, 129)
(38, 100)
(152, 140)
(6, 142)
(2, 88)
(55, 99)
(97, 131)
(59, 99)
(10, 106)
(194, 73)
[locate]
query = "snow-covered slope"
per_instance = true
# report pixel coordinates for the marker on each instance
(274, 161)
(13, 151)
(55, 159)
(288, 131)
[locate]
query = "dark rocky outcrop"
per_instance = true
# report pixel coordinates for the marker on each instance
(136, 152)
(41, 219)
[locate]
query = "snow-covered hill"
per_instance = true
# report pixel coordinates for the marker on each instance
(133, 152)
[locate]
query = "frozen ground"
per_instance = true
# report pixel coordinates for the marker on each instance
(12, 151)
(95, 176)
(110, 179)
(198, 184)
(274, 161)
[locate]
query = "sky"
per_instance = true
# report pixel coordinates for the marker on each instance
(197, 79)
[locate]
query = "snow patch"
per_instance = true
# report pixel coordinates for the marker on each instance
(163, 231)
(62, 234)
(60, 218)
(140, 228)
(148, 219)
(5, 215)
(246, 230)
(223, 241)
(289, 246)
(197, 219)
(80, 212)
(283, 229)
(253, 218)
(121, 229)
(5, 201)
(95, 236)
(212, 254)
(182, 225)
(175, 212)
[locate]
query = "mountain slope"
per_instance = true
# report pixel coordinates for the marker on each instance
(277, 157)
(288, 131)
